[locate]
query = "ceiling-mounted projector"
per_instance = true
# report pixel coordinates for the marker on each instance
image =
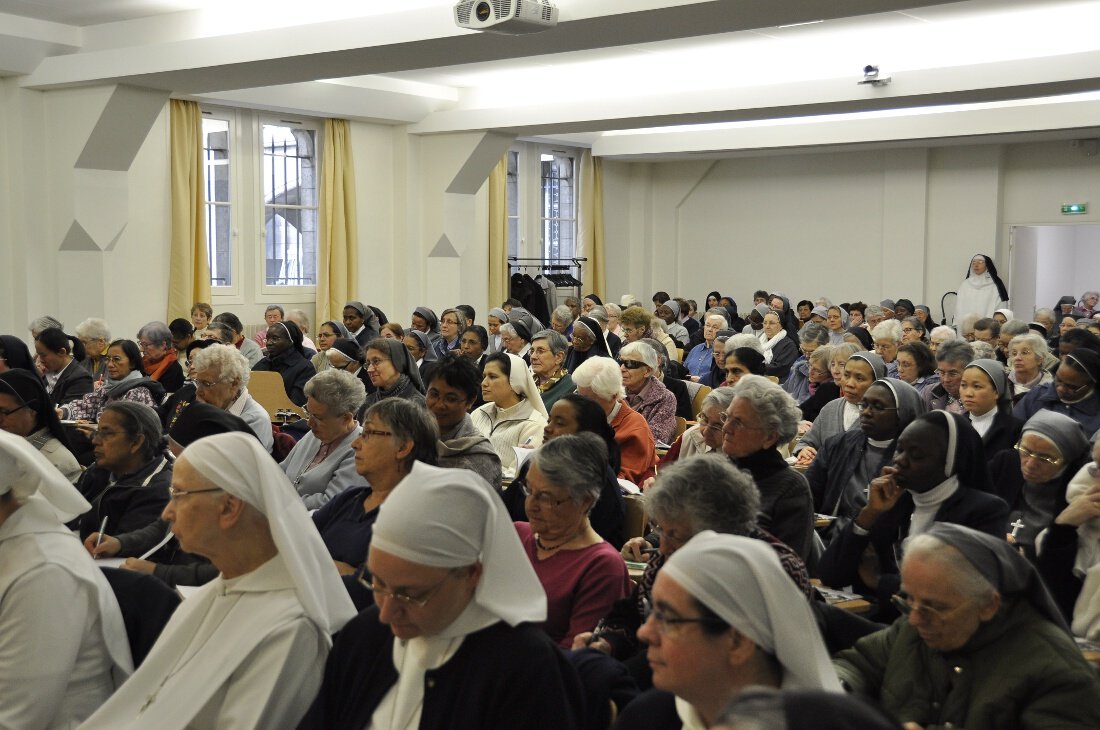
(506, 16)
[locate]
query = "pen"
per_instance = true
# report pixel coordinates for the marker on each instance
(99, 538)
(650, 550)
(529, 441)
(596, 632)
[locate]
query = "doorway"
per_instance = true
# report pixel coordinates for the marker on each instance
(1049, 262)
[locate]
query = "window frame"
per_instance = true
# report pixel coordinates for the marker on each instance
(529, 190)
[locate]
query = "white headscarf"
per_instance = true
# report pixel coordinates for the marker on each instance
(523, 383)
(741, 580)
(24, 471)
(238, 464)
(451, 518)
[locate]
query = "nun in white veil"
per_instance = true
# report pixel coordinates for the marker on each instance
(514, 414)
(453, 640)
(63, 647)
(726, 616)
(248, 648)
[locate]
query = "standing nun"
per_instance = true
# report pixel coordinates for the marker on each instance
(982, 292)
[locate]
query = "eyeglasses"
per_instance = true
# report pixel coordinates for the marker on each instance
(116, 359)
(949, 373)
(704, 423)
(666, 624)
(884, 346)
(5, 412)
(175, 494)
(316, 417)
(207, 384)
(380, 592)
(1021, 353)
(908, 330)
(875, 408)
(543, 498)
(632, 364)
(905, 605)
(629, 330)
(102, 434)
(376, 363)
(366, 433)
(1069, 389)
(736, 423)
(450, 399)
(1027, 454)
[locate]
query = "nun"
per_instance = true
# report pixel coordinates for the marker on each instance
(361, 323)
(842, 414)
(847, 463)
(393, 372)
(1074, 391)
(247, 649)
(981, 644)
(496, 318)
(14, 354)
(984, 393)
(423, 353)
(425, 320)
(453, 639)
(588, 341)
(285, 355)
(938, 475)
(63, 646)
(981, 292)
(28, 412)
(513, 414)
(725, 616)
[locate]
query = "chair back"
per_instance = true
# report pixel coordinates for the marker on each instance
(635, 523)
(697, 400)
(681, 426)
(266, 387)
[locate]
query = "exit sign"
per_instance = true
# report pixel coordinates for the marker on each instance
(1075, 208)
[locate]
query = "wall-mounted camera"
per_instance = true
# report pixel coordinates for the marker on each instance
(872, 76)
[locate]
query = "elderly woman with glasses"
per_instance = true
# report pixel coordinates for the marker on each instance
(917, 365)
(938, 473)
(452, 323)
(981, 644)
(158, 355)
(887, 336)
(706, 435)
(392, 371)
(322, 463)
(1026, 354)
(724, 617)
(221, 379)
(952, 357)
(582, 574)
(1073, 392)
(810, 338)
(645, 393)
(126, 380)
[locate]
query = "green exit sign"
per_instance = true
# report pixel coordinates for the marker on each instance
(1075, 208)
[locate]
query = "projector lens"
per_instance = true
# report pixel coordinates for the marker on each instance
(483, 11)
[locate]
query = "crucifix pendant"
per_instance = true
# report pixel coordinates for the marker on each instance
(1016, 525)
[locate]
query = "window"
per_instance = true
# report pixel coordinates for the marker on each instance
(541, 188)
(261, 205)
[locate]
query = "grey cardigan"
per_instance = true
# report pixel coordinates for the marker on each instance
(324, 481)
(828, 423)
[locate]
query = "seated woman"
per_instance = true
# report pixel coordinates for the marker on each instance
(973, 607)
(422, 352)
(1073, 391)
(392, 372)
(322, 463)
(95, 334)
(725, 617)
(248, 347)
(571, 415)
(822, 388)
(1033, 478)
(581, 573)
(360, 321)
(887, 336)
(1026, 354)
(716, 376)
(706, 435)
(938, 475)
(158, 356)
(183, 334)
(860, 337)
(473, 345)
(126, 380)
(917, 365)
(59, 355)
(221, 379)
(515, 337)
(669, 314)
(65, 644)
(810, 338)
(672, 375)
(636, 324)
(984, 392)
(454, 389)
(849, 461)
(741, 361)
(913, 330)
(285, 355)
(327, 333)
(397, 439)
(836, 324)
(658, 334)
(548, 351)
(452, 323)
(14, 354)
(588, 341)
(25, 410)
(601, 380)
(473, 649)
(128, 483)
(699, 360)
(513, 414)
(169, 562)
(644, 391)
(780, 351)
(860, 370)
(952, 357)
(425, 320)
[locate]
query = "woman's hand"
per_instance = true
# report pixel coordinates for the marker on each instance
(804, 426)
(139, 566)
(581, 641)
(806, 456)
(1083, 508)
(108, 547)
(882, 494)
(632, 550)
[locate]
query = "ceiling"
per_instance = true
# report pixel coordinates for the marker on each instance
(644, 79)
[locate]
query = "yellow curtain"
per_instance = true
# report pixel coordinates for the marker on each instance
(337, 269)
(189, 270)
(590, 223)
(498, 233)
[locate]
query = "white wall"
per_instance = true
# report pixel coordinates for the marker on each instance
(1063, 260)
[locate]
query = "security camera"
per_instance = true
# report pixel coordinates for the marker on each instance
(871, 75)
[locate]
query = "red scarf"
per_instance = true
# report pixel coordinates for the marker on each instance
(156, 369)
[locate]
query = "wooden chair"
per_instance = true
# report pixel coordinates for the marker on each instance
(681, 426)
(267, 388)
(697, 400)
(636, 523)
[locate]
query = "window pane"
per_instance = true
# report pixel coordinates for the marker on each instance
(290, 205)
(215, 134)
(557, 203)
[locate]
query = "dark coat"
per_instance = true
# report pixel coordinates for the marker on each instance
(825, 393)
(786, 507)
(1087, 412)
(73, 382)
(131, 503)
(683, 401)
(295, 370)
(501, 678)
(833, 467)
(784, 354)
